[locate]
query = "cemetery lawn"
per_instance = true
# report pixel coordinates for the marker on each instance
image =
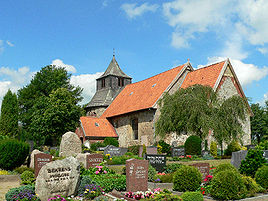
(211, 162)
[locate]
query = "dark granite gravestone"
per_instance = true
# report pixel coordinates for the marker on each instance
(237, 157)
(101, 148)
(176, 151)
(93, 160)
(137, 175)
(203, 168)
(151, 150)
(115, 151)
(40, 160)
(265, 155)
(157, 161)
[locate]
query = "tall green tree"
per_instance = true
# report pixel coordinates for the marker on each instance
(34, 98)
(197, 110)
(259, 122)
(9, 115)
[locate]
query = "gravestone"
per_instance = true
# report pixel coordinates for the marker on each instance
(205, 153)
(40, 160)
(101, 148)
(82, 158)
(140, 151)
(157, 161)
(265, 155)
(137, 175)
(203, 168)
(237, 157)
(70, 145)
(35, 151)
(58, 177)
(115, 151)
(176, 151)
(151, 150)
(93, 160)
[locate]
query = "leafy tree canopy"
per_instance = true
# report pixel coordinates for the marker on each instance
(9, 115)
(197, 110)
(50, 88)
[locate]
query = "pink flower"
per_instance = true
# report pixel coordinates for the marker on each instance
(105, 172)
(97, 172)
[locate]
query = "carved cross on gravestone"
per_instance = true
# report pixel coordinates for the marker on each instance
(137, 175)
(40, 160)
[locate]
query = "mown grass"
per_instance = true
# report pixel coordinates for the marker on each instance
(211, 162)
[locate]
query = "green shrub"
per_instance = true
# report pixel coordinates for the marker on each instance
(223, 167)
(134, 149)
(27, 177)
(187, 178)
(11, 194)
(213, 149)
(166, 178)
(193, 145)
(190, 196)
(251, 185)
(232, 147)
(96, 145)
(21, 169)
(172, 167)
(129, 154)
(111, 141)
(12, 153)
(85, 180)
(165, 195)
(228, 185)
(108, 182)
(263, 145)
(166, 148)
(261, 176)
(252, 162)
(151, 173)
(144, 151)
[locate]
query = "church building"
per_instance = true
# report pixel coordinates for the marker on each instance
(128, 111)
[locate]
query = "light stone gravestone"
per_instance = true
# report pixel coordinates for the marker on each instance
(115, 151)
(157, 161)
(35, 151)
(137, 175)
(151, 150)
(70, 145)
(265, 155)
(82, 158)
(237, 157)
(58, 177)
(40, 160)
(176, 151)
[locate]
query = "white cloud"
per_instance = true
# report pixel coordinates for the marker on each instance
(88, 83)
(132, 10)
(179, 41)
(9, 43)
(246, 73)
(59, 63)
(263, 50)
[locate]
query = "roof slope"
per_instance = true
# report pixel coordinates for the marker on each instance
(141, 95)
(114, 69)
(97, 127)
(206, 76)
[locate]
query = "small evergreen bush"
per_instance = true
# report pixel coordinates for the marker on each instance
(193, 145)
(21, 169)
(134, 149)
(261, 176)
(228, 185)
(251, 185)
(96, 145)
(232, 147)
(13, 192)
(190, 196)
(12, 153)
(172, 167)
(223, 167)
(151, 173)
(166, 148)
(213, 149)
(252, 162)
(27, 177)
(111, 141)
(187, 178)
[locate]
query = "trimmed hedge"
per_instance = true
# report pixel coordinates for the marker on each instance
(192, 196)
(225, 166)
(261, 176)
(192, 145)
(13, 153)
(232, 147)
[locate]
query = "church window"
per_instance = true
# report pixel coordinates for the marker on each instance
(134, 125)
(102, 83)
(120, 82)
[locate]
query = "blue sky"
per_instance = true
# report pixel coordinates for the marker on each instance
(149, 37)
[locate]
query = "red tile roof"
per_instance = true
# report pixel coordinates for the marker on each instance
(141, 95)
(206, 76)
(97, 127)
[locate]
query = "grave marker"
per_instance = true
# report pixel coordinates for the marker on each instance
(137, 175)
(265, 155)
(237, 157)
(176, 151)
(157, 161)
(93, 160)
(115, 151)
(70, 145)
(151, 150)
(203, 168)
(40, 159)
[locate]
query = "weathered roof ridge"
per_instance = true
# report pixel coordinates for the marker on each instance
(114, 69)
